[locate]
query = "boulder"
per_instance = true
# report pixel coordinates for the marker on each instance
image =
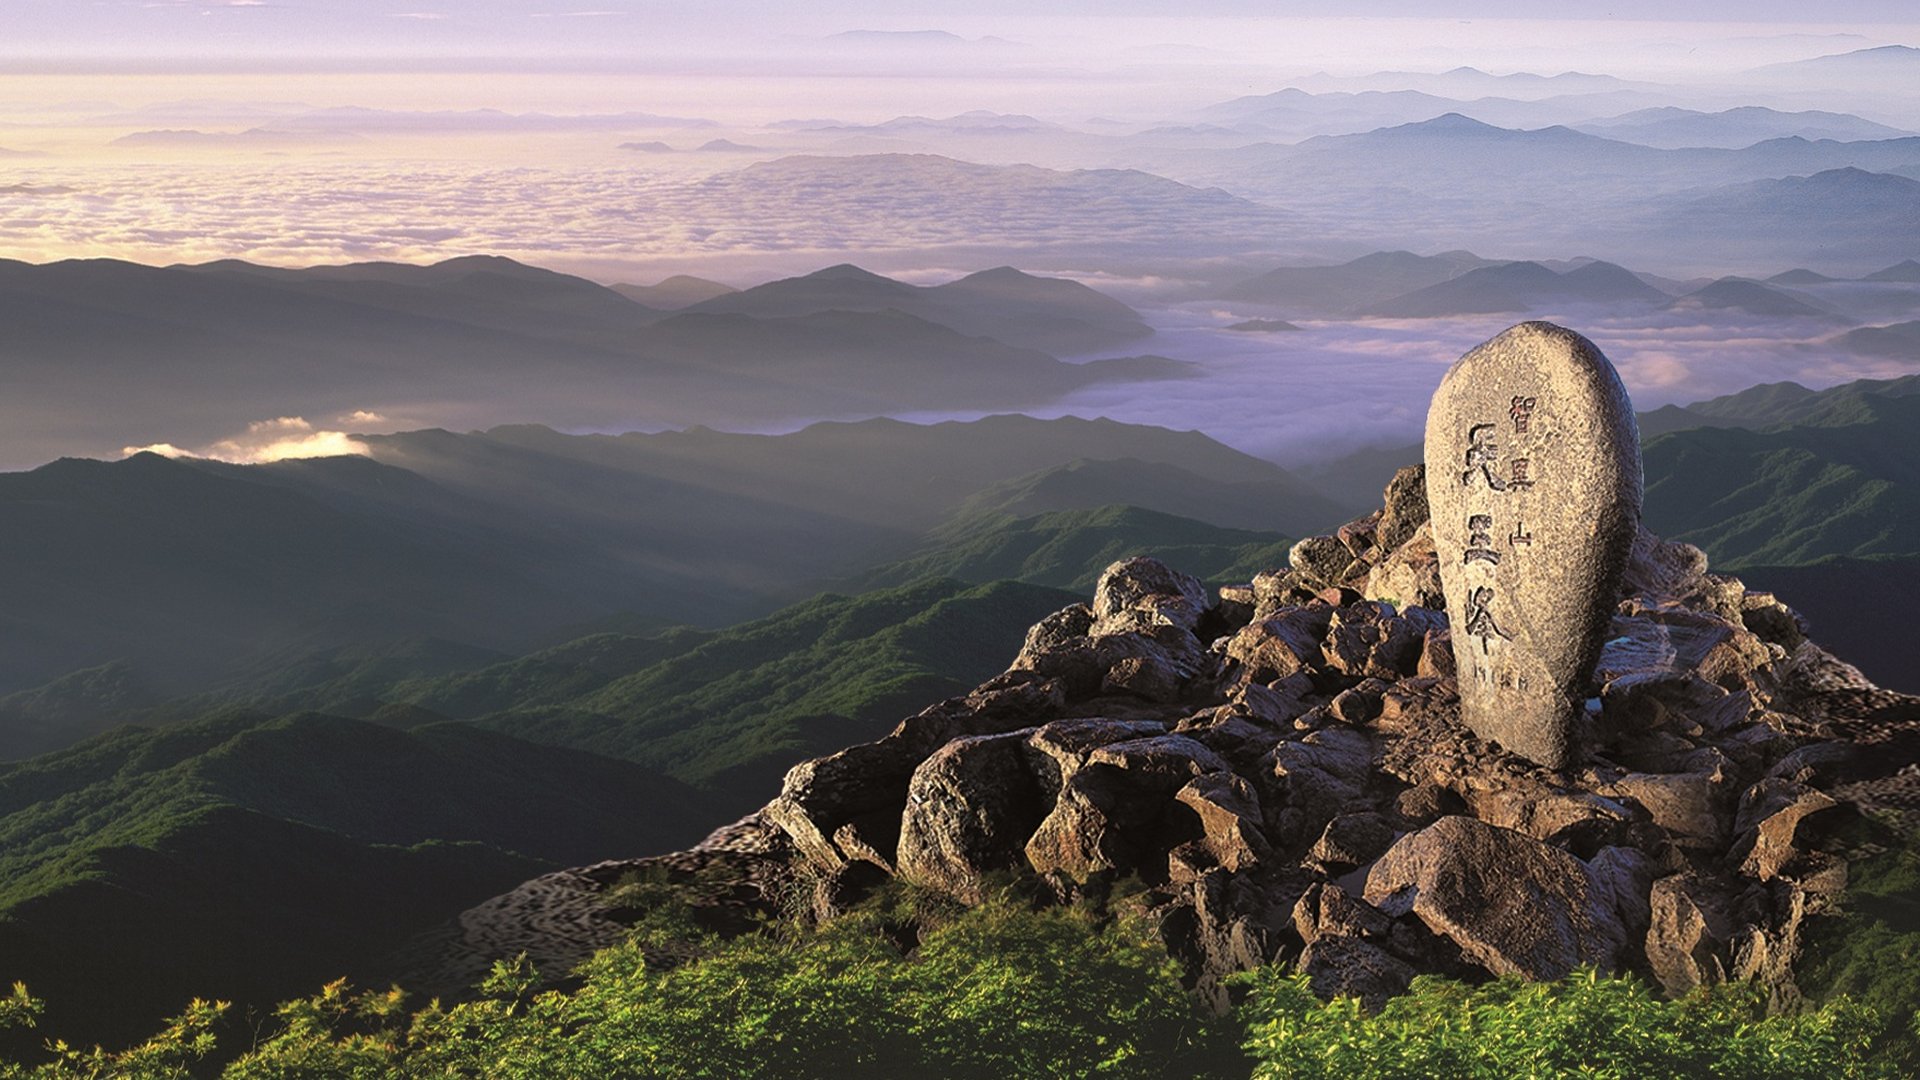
(1281, 646)
(1351, 840)
(1409, 576)
(1369, 639)
(970, 809)
(1778, 811)
(1136, 592)
(1230, 820)
(819, 796)
(1337, 965)
(1691, 807)
(1319, 561)
(1403, 507)
(1687, 935)
(1326, 908)
(1359, 535)
(1513, 905)
(1119, 804)
(1068, 626)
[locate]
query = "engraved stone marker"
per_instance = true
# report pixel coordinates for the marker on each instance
(1533, 480)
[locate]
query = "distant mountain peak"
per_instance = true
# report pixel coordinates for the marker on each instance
(1452, 121)
(846, 272)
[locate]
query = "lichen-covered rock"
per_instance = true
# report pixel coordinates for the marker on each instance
(1403, 507)
(1319, 560)
(1409, 576)
(969, 811)
(1687, 934)
(1514, 905)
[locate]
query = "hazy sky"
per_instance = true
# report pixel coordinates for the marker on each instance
(211, 34)
(169, 131)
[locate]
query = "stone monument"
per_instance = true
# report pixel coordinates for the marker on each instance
(1533, 481)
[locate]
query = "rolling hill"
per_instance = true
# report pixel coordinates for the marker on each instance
(1069, 548)
(1342, 289)
(253, 857)
(1053, 315)
(1844, 481)
(1520, 286)
(105, 354)
(148, 579)
(1672, 128)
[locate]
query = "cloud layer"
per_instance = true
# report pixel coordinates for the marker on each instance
(280, 439)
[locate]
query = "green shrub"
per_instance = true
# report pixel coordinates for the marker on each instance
(1001, 992)
(1586, 1025)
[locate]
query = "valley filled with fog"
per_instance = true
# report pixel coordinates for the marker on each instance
(1175, 178)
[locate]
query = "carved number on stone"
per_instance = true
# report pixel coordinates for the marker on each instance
(1520, 535)
(1480, 622)
(1482, 452)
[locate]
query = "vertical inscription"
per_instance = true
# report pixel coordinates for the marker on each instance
(1482, 453)
(1481, 553)
(1521, 410)
(1522, 478)
(1480, 621)
(1480, 540)
(1534, 485)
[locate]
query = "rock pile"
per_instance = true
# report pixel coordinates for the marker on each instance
(1283, 767)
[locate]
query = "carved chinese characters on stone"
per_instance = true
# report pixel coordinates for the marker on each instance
(1533, 480)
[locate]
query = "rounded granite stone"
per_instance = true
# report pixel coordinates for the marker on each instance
(1533, 482)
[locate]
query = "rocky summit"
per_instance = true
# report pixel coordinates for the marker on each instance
(1279, 773)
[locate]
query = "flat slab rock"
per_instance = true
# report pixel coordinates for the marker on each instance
(1533, 482)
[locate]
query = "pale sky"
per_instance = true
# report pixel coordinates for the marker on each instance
(213, 32)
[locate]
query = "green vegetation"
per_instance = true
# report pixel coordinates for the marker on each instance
(1871, 951)
(1069, 548)
(252, 856)
(738, 707)
(1000, 991)
(1845, 483)
(1586, 1025)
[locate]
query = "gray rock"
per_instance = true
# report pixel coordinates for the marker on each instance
(1409, 576)
(1337, 965)
(1514, 905)
(1687, 936)
(1140, 591)
(1320, 560)
(1533, 482)
(1404, 509)
(969, 810)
